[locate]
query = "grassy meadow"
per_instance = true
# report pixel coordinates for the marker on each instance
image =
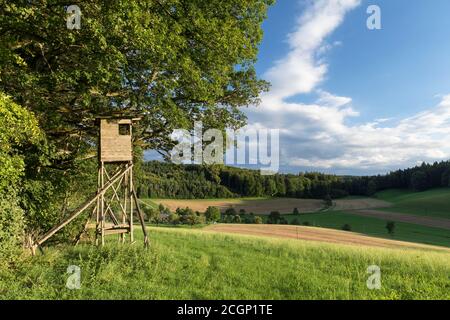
(432, 203)
(193, 264)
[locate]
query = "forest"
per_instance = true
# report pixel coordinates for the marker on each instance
(166, 180)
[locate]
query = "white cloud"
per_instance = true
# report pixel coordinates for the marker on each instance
(300, 72)
(319, 135)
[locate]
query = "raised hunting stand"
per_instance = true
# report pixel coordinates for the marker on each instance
(113, 203)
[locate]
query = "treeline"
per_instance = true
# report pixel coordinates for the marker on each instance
(419, 178)
(166, 180)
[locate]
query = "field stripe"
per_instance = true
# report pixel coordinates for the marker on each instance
(318, 235)
(401, 217)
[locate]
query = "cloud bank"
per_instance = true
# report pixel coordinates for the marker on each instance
(317, 136)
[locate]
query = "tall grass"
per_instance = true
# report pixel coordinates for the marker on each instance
(192, 264)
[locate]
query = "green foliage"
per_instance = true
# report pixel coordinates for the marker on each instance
(19, 132)
(228, 218)
(328, 202)
(445, 179)
(164, 210)
(258, 220)
(174, 219)
(151, 215)
(274, 217)
(390, 226)
(231, 212)
(347, 227)
(212, 214)
(249, 218)
(166, 180)
(11, 229)
(419, 181)
(296, 212)
(189, 217)
(371, 187)
(171, 61)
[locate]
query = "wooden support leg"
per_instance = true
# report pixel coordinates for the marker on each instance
(141, 219)
(130, 190)
(102, 206)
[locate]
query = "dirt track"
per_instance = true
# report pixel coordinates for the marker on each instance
(317, 234)
(265, 206)
(401, 217)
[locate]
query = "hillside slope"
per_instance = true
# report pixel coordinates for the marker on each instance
(433, 203)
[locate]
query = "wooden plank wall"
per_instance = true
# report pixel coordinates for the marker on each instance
(113, 146)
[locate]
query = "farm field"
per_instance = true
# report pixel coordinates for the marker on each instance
(433, 203)
(364, 215)
(374, 227)
(317, 234)
(195, 264)
(265, 206)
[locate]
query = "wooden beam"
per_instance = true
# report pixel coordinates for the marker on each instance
(141, 218)
(80, 209)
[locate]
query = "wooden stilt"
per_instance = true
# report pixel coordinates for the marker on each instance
(141, 219)
(130, 189)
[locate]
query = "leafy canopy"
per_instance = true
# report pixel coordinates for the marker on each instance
(170, 61)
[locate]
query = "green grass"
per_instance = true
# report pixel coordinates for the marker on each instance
(375, 227)
(433, 203)
(192, 264)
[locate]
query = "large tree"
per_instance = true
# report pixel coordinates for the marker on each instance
(169, 61)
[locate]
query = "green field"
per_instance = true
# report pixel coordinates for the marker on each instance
(374, 227)
(433, 203)
(192, 264)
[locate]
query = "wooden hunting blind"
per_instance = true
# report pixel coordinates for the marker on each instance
(115, 140)
(115, 203)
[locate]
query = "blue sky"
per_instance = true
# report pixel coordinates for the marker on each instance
(408, 60)
(350, 100)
